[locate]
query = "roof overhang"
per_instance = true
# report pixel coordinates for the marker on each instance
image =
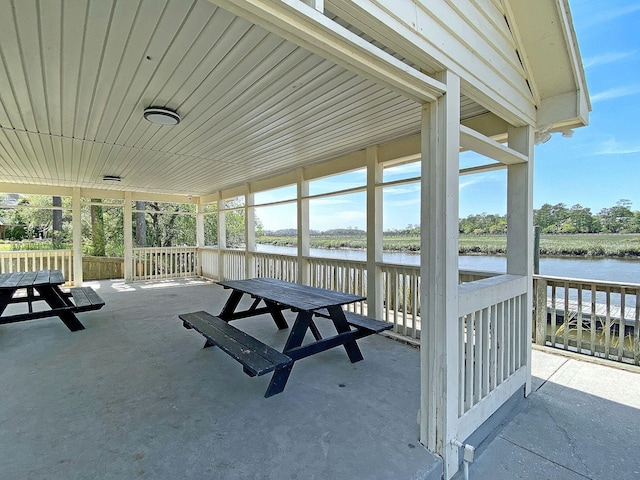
(549, 51)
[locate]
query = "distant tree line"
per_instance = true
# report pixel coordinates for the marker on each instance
(562, 219)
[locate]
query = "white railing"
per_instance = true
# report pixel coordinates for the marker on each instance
(401, 298)
(348, 276)
(234, 264)
(33, 260)
(591, 317)
(283, 267)
(209, 262)
(156, 263)
(400, 283)
(493, 338)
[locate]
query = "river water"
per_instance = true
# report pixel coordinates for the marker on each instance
(607, 269)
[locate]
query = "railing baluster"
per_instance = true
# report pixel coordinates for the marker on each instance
(636, 330)
(621, 325)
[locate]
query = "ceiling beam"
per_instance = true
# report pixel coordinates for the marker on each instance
(295, 21)
(472, 140)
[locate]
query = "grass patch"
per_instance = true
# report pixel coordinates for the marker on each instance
(571, 245)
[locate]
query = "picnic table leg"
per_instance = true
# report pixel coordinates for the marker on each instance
(298, 331)
(54, 298)
(5, 298)
(231, 305)
(30, 295)
(276, 314)
(340, 322)
(278, 381)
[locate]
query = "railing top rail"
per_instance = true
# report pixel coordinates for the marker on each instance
(584, 281)
(14, 252)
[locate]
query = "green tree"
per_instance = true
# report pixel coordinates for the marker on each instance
(617, 219)
(551, 218)
(581, 220)
(97, 229)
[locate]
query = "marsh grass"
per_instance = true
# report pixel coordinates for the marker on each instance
(571, 245)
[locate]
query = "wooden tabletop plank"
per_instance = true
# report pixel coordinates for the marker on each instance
(27, 280)
(293, 295)
(15, 280)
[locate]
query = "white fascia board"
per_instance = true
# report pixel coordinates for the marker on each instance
(474, 141)
(568, 110)
(302, 25)
(415, 45)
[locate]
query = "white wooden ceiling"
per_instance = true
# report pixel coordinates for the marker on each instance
(75, 77)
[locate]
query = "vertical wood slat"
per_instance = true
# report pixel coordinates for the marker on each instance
(565, 335)
(636, 330)
(607, 328)
(621, 325)
(461, 362)
(468, 365)
(554, 325)
(501, 338)
(493, 337)
(484, 333)
(478, 348)
(593, 323)
(579, 317)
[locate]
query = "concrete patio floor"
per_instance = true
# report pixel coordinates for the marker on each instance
(134, 395)
(582, 421)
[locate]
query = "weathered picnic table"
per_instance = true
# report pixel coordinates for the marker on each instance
(271, 296)
(44, 285)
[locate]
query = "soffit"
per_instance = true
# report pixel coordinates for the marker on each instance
(76, 77)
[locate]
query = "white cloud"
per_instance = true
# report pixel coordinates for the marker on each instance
(608, 14)
(616, 92)
(605, 58)
(613, 147)
(468, 183)
(339, 219)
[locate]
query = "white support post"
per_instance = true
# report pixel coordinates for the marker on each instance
(374, 234)
(249, 233)
(199, 232)
(76, 212)
(439, 271)
(222, 236)
(303, 228)
(128, 237)
(520, 229)
(316, 4)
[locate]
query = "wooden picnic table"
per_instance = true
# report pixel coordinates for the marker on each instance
(271, 296)
(44, 285)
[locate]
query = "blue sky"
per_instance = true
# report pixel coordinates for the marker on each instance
(595, 168)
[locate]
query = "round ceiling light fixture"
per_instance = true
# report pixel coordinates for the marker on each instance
(161, 116)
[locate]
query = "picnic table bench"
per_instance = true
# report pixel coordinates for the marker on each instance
(44, 285)
(256, 357)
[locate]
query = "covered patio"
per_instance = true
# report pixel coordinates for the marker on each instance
(257, 96)
(134, 395)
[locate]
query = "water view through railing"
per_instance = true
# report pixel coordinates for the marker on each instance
(607, 269)
(573, 312)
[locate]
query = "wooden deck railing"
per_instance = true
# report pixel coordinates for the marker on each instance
(596, 318)
(157, 263)
(593, 309)
(32, 260)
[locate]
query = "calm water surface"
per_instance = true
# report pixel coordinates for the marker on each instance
(608, 269)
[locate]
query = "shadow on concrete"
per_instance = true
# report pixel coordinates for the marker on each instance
(135, 396)
(581, 422)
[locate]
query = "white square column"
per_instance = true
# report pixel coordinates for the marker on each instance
(439, 273)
